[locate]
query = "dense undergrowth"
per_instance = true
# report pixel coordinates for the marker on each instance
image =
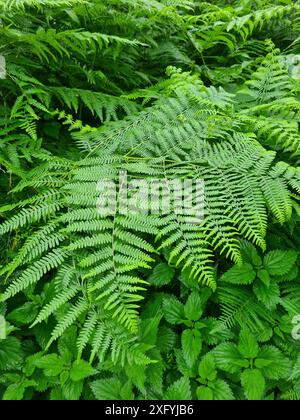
(135, 306)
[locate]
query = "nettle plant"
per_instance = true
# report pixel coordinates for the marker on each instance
(147, 305)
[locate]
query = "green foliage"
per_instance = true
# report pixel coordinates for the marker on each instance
(115, 305)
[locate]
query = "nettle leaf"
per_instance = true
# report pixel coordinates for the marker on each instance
(183, 367)
(191, 345)
(264, 276)
(280, 262)
(253, 384)
(193, 308)
(64, 376)
(11, 354)
(72, 390)
(273, 363)
(56, 394)
(173, 310)
(149, 329)
(207, 368)
(179, 390)
(248, 346)
(221, 390)
(24, 314)
(51, 364)
(229, 358)
(166, 340)
(295, 374)
(80, 370)
(268, 295)
(240, 274)
(161, 275)
(16, 391)
(291, 275)
(204, 393)
(107, 389)
(250, 254)
(155, 375)
(137, 376)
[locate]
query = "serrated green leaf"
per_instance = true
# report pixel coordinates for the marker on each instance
(264, 276)
(72, 390)
(191, 345)
(161, 275)
(280, 262)
(107, 389)
(248, 346)
(204, 393)
(277, 366)
(228, 358)
(51, 364)
(11, 354)
(24, 314)
(268, 295)
(240, 274)
(221, 390)
(253, 383)
(80, 370)
(193, 308)
(173, 310)
(207, 368)
(179, 390)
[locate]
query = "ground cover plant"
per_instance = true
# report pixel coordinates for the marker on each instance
(134, 305)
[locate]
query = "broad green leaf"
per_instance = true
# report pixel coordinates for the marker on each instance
(273, 364)
(183, 367)
(107, 389)
(204, 393)
(191, 345)
(126, 392)
(295, 374)
(148, 330)
(207, 369)
(67, 344)
(248, 346)
(11, 354)
(250, 254)
(240, 274)
(137, 375)
(179, 390)
(166, 339)
(80, 370)
(173, 310)
(268, 295)
(264, 276)
(193, 307)
(221, 390)
(228, 358)
(24, 314)
(253, 383)
(14, 392)
(291, 275)
(72, 390)
(154, 374)
(51, 364)
(161, 275)
(64, 376)
(280, 262)
(57, 394)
